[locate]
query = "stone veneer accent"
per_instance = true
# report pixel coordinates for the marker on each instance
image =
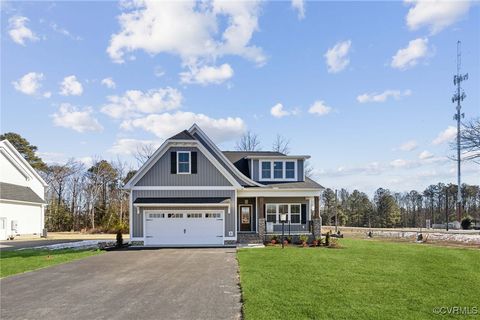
(261, 228)
(317, 227)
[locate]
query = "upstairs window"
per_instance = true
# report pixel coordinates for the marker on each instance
(290, 170)
(266, 170)
(278, 170)
(183, 162)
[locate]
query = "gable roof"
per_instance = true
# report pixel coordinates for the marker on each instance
(15, 192)
(19, 161)
(183, 135)
(235, 156)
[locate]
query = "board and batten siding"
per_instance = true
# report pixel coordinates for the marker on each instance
(160, 174)
(137, 217)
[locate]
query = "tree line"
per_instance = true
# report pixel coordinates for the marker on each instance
(388, 209)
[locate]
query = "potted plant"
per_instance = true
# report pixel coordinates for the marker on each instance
(289, 239)
(317, 241)
(304, 239)
(273, 240)
(285, 242)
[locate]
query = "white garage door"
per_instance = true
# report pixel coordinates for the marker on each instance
(184, 227)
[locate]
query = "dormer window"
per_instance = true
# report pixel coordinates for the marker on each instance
(183, 162)
(281, 170)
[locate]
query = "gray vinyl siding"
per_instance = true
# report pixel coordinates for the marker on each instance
(137, 218)
(219, 159)
(160, 174)
(300, 168)
(254, 170)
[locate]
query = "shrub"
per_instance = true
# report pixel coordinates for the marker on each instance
(119, 239)
(466, 223)
(334, 243)
(327, 239)
(289, 239)
(304, 238)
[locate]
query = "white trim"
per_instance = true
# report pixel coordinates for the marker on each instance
(23, 161)
(179, 143)
(189, 162)
(286, 157)
(272, 170)
(207, 139)
(23, 202)
(264, 192)
(130, 220)
(184, 188)
(149, 205)
(235, 213)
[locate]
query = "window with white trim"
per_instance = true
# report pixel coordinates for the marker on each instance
(289, 169)
(272, 213)
(280, 170)
(293, 212)
(183, 162)
(266, 170)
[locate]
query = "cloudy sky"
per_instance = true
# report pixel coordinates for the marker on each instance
(364, 88)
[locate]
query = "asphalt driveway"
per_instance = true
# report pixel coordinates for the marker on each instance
(144, 284)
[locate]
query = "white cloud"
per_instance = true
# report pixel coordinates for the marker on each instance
(337, 57)
(131, 146)
(158, 72)
(70, 86)
(166, 125)
(206, 74)
(55, 27)
(382, 97)
(409, 146)
(299, 5)
(18, 30)
(278, 111)
(435, 14)
(29, 84)
(399, 163)
(109, 83)
(425, 155)
(320, 108)
(47, 94)
(135, 102)
(445, 136)
(80, 120)
(408, 57)
(189, 29)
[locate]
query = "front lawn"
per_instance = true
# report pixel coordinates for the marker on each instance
(19, 261)
(366, 279)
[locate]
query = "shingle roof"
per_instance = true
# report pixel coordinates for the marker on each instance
(184, 135)
(10, 191)
(235, 156)
(181, 200)
(307, 184)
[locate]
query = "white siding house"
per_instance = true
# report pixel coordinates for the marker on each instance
(22, 195)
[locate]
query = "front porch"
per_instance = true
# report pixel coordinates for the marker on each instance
(259, 217)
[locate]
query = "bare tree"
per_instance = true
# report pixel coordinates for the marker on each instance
(309, 170)
(248, 142)
(470, 140)
(143, 153)
(281, 144)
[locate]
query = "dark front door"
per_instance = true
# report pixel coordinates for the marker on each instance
(245, 218)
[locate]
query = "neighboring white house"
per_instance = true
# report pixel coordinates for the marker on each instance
(22, 195)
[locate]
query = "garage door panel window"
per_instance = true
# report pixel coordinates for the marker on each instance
(213, 215)
(175, 215)
(156, 215)
(194, 215)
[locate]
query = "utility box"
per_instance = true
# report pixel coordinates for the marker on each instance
(14, 226)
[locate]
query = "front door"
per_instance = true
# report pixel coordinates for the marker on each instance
(245, 218)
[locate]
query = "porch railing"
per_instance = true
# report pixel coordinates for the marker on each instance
(290, 229)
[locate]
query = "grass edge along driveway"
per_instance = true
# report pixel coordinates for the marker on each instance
(366, 279)
(20, 261)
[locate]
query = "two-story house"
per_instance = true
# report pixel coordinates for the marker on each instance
(189, 193)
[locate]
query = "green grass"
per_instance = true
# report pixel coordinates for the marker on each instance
(366, 279)
(19, 261)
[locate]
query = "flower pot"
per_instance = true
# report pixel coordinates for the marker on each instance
(273, 241)
(285, 242)
(315, 243)
(304, 243)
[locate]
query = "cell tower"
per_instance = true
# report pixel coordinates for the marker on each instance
(458, 97)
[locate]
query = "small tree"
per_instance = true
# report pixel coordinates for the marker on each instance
(466, 223)
(248, 142)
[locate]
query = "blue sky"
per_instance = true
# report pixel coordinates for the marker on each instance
(363, 87)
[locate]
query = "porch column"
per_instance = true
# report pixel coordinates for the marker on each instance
(317, 220)
(261, 218)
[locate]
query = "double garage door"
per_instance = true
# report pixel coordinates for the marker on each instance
(183, 227)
